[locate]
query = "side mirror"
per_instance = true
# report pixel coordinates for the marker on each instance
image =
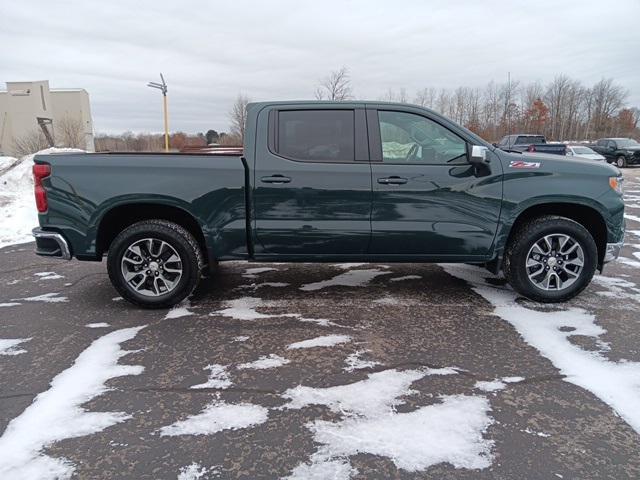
(478, 155)
(495, 144)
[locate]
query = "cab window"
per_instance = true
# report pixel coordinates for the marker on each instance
(410, 138)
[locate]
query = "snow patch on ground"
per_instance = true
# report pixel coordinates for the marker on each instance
(352, 278)
(10, 304)
(447, 432)
(615, 383)
(264, 362)
(538, 434)
(388, 300)
(631, 217)
(8, 346)
(324, 469)
(240, 338)
(97, 325)
(48, 275)
(17, 201)
(322, 341)
(245, 308)
(179, 311)
(629, 262)
(374, 396)
(218, 377)
(216, 417)
(57, 413)
(195, 471)
(406, 277)
(46, 297)
(497, 384)
(355, 362)
(252, 272)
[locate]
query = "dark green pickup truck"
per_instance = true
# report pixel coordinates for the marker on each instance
(333, 182)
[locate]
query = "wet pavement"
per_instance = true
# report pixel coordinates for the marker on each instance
(403, 317)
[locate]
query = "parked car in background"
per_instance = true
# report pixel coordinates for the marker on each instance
(621, 151)
(525, 142)
(583, 152)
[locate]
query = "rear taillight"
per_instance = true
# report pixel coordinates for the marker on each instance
(40, 172)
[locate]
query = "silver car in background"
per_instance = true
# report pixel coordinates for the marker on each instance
(582, 151)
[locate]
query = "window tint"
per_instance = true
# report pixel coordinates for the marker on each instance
(316, 135)
(410, 138)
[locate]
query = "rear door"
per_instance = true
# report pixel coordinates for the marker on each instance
(427, 199)
(312, 193)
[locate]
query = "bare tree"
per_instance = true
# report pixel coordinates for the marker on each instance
(29, 143)
(238, 116)
(335, 87)
(70, 132)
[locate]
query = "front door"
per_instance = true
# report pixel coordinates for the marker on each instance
(312, 193)
(427, 199)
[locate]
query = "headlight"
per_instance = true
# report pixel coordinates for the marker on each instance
(616, 184)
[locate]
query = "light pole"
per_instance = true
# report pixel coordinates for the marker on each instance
(163, 88)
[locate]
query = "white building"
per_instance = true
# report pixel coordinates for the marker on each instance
(26, 105)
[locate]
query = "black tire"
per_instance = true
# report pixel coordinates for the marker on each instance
(184, 244)
(522, 241)
(621, 161)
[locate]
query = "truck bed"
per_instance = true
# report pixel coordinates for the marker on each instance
(86, 188)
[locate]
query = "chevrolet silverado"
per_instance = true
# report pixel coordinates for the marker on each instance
(332, 182)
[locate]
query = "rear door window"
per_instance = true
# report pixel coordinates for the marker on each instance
(316, 135)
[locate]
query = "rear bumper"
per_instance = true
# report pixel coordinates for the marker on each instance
(612, 252)
(51, 244)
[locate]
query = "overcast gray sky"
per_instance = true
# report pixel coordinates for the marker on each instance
(279, 49)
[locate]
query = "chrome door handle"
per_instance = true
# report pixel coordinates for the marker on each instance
(394, 180)
(277, 179)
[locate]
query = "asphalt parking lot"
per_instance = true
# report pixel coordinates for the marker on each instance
(444, 373)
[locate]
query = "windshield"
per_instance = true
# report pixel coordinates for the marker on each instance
(627, 142)
(582, 150)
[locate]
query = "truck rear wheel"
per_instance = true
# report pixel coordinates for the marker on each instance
(621, 161)
(550, 259)
(154, 263)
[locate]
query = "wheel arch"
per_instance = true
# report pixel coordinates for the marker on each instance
(587, 216)
(119, 217)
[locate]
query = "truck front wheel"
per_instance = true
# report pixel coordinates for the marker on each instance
(154, 263)
(550, 259)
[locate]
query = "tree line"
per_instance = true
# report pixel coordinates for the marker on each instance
(562, 109)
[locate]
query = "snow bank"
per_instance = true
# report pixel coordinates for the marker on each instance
(57, 413)
(17, 201)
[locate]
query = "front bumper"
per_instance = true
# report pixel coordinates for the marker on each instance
(51, 244)
(612, 252)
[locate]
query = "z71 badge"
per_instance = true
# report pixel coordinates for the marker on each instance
(523, 164)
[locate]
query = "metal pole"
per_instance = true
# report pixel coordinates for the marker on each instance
(163, 88)
(166, 123)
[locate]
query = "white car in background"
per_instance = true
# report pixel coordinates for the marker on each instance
(583, 152)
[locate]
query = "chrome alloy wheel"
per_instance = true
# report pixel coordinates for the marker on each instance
(151, 267)
(555, 262)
